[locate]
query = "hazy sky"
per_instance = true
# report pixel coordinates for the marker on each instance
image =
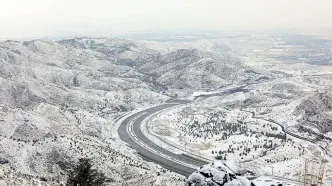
(41, 18)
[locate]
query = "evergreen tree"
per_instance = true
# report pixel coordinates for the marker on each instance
(84, 175)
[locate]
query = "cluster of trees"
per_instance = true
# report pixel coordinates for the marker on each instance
(245, 150)
(34, 141)
(221, 157)
(214, 125)
(84, 175)
(273, 128)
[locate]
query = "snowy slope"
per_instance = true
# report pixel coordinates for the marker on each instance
(59, 100)
(58, 103)
(316, 111)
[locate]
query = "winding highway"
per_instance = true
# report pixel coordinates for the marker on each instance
(130, 132)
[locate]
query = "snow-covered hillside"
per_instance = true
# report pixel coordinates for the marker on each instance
(59, 100)
(261, 125)
(316, 111)
(186, 66)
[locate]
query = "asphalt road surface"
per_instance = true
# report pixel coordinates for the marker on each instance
(130, 132)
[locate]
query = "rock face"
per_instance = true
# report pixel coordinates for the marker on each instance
(216, 174)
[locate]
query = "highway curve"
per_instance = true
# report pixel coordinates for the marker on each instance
(130, 132)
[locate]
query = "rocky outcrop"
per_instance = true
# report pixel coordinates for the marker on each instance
(216, 173)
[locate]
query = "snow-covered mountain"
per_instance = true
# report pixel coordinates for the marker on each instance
(59, 100)
(194, 69)
(316, 111)
(185, 66)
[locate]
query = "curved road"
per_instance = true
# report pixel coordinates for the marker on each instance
(287, 132)
(130, 132)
